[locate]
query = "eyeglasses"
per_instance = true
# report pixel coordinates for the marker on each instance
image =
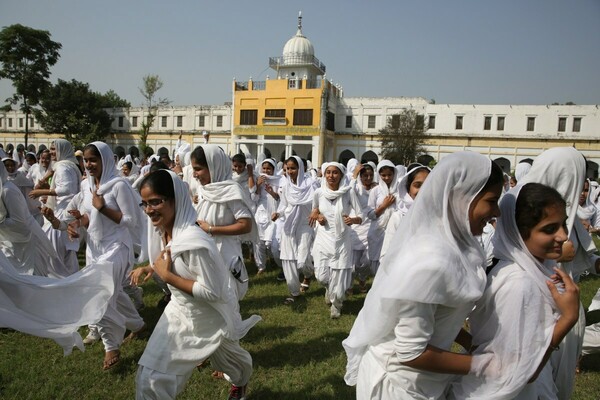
(152, 203)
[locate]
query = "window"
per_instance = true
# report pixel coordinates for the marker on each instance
(487, 123)
(431, 124)
(1, 121)
(330, 121)
(371, 122)
(201, 119)
(348, 121)
(577, 124)
(459, 122)
(395, 121)
(10, 122)
(30, 121)
(420, 122)
(530, 124)
(562, 124)
(179, 121)
(20, 122)
(120, 122)
(303, 117)
(219, 121)
(163, 122)
(500, 124)
(149, 119)
(279, 113)
(134, 122)
(248, 117)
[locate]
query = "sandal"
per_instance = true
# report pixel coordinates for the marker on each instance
(111, 358)
(305, 285)
(289, 300)
(218, 375)
(135, 335)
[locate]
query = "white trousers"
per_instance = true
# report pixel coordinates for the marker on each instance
(230, 357)
(591, 339)
(361, 264)
(337, 282)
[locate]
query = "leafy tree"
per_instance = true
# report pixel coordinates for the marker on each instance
(26, 55)
(152, 84)
(111, 99)
(403, 138)
(74, 110)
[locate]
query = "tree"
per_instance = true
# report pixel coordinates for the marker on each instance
(152, 84)
(26, 55)
(74, 110)
(111, 99)
(403, 138)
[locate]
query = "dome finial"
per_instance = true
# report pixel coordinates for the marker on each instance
(300, 22)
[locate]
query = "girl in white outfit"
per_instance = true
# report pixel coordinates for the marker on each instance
(223, 210)
(297, 235)
(399, 346)
(65, 185)
(202, 319)
(332, 205)
(522, 317)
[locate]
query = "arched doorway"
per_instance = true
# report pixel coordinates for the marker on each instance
(345, 156)
(426, 160)
(120, 152)
(134, 151)
(369, 156)
(592, 170)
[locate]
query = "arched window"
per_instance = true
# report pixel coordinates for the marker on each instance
(345, 156)
(592, 170)
(369, 156)
(504, 164)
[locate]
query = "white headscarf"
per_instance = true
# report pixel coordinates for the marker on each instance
(526, 333)
(405, 201)
(588, 209)
(187, 236)
(360, 188)
(435, 260)
(65, 158)
(298, 194)
(18, 177)
(387, 190)
(332, 195)
(350, 167)
(3, 179)
(563, 168)
(521, 170)
(271, 179)
(400, 172)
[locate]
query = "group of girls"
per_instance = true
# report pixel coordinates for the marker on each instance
(416, 230)
(525, 318)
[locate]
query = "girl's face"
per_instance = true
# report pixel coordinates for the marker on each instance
(126, 170)
(292, 170)
(201, 172)
(513, 182)
(160, 210)
(547, 237)
(387, 175)
(52, 152)
(30, 160)
(584, 193)
(366, 177)
(93, 163)
(333, 176)
(267, 169)
(238, 167)
(417, 182)
(45, 159)
(483, 208)
(10, 166)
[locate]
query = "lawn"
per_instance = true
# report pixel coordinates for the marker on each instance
(296, 349)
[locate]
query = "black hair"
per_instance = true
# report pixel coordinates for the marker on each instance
(158, 165)
(387, 167)
(199, 156)
(161, 183)
(93, 149)
(128, 164)
(531, 206)
(292, 159)
(414, 165)
(20, 147)
(411, 177)
(31, 148)
(29, 155)
(365, 168)
(496, 177)
(239, 158)
(305, 164)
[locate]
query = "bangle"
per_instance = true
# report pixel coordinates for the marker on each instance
(554, 348)
(210, 230)
(102, 208)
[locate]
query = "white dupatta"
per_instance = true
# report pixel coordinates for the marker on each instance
(298, 194)
(65, 159)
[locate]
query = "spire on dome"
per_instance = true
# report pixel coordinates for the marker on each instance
(299, 33)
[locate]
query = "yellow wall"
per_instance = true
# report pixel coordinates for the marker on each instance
(277, 96)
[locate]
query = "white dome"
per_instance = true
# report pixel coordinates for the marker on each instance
(298, 47)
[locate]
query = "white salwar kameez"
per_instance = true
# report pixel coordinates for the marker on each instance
(297, 235)
(332, 248)
(423, 290)
(193, 327)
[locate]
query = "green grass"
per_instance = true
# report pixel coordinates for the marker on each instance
(296, 349)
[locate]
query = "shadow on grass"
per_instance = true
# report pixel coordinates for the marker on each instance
(298, 354)
(335, 382)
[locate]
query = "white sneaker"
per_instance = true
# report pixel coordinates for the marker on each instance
(335, 312)
(327, 301)
(92, 337)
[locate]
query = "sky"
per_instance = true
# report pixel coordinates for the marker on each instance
(456, 52)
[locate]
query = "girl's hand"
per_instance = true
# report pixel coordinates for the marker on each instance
(388, 200)
(250, 169)
(261, 179)
(348, 220)
(48, 213)
(137, 275)
(321, 219)
(163, 264)
(98, 200)
(75, 213)
(195, 199)
(35, 193)
(274, 217)
(567, 297)
(568, 252)
(73, 229)
(356, 172)
(313, 217)
(205, 226)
